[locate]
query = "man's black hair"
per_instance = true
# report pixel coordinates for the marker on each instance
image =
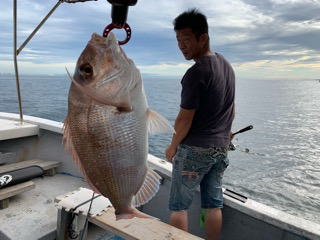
(193, 19)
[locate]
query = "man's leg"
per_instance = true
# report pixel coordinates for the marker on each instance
(213, 223)
(179, 219)
(212, 195)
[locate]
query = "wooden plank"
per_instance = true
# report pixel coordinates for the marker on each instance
(44, 164)
(136, 228)
(139, 228)
(16, 189)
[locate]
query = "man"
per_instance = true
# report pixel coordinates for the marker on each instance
(203, 126)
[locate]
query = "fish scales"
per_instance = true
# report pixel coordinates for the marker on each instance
(110, 143)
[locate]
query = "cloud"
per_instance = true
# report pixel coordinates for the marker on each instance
(268, 34)
(168, 70)
(30, 67)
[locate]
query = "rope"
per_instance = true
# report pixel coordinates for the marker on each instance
(71, 232)
(86, 223)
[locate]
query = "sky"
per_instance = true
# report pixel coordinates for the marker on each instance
(262, 39)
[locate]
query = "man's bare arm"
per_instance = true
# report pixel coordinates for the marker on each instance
(182, 125)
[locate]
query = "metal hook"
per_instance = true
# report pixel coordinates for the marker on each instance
(112, 26)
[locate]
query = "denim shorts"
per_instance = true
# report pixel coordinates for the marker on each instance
(194, 166)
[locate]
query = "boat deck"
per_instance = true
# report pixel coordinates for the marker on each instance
(34, 214)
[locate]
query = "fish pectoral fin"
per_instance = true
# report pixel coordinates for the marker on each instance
(158, 123)
(122, 102)
(148, 190)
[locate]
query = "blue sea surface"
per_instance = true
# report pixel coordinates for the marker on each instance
(277, 163)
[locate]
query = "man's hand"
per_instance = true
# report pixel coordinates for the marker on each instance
(170, 152)
(231, 136)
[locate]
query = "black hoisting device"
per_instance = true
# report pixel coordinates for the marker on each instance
(119, 13)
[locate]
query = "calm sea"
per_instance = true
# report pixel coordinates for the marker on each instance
(277, 163)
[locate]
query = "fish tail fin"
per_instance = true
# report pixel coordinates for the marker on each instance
(148, 190)
(134, 213)
(158, 123)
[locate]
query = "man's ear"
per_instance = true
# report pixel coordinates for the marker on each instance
(204, 38)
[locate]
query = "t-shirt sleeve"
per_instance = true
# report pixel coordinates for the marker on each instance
(191, 90)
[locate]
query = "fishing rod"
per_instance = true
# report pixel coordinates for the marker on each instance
(243, 130)
(233, 147)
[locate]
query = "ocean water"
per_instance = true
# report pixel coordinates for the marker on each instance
(276, 163)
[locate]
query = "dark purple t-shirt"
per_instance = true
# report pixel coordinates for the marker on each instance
(209, 88)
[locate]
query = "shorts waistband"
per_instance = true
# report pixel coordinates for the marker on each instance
(206, 151)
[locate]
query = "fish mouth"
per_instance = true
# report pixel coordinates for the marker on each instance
(110, 41)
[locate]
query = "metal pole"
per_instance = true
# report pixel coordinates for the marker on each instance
(17, 51)
(38, 27)
(15, 57)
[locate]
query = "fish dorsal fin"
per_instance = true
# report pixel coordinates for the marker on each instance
(158, 123)
(148, 189)
(121, 103)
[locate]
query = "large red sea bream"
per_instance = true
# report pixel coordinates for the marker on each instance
(106, 129)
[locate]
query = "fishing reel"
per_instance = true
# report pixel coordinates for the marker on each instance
(232, 147)
(119, 13)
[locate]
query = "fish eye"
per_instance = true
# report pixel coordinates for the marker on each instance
(87, 70)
